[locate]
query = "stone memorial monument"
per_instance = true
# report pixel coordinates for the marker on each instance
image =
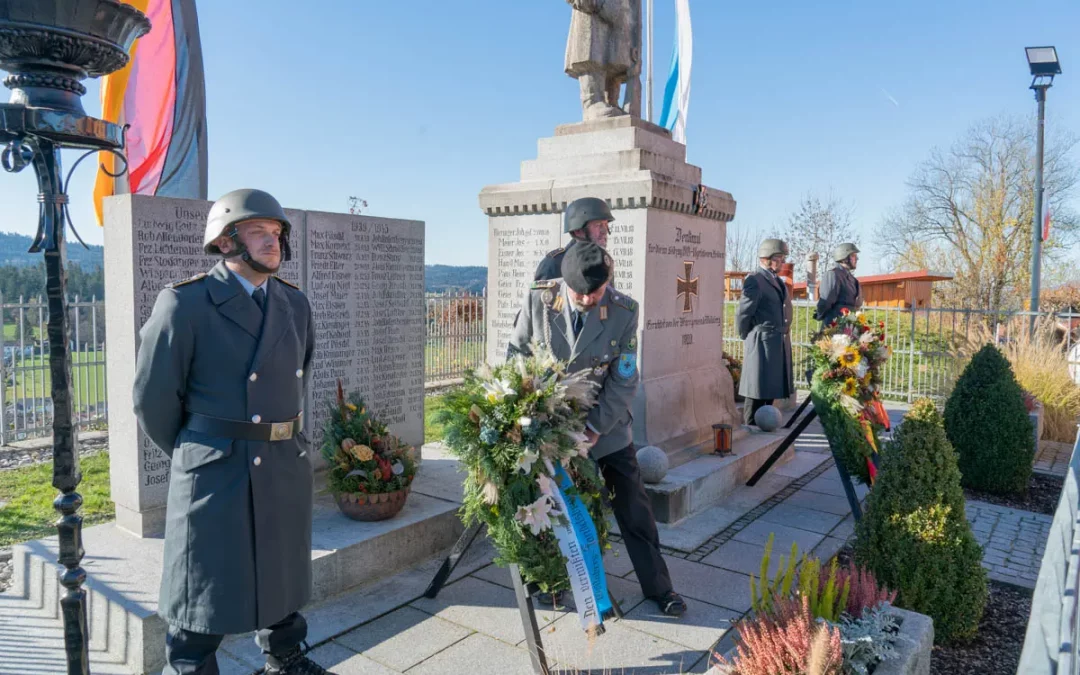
(364, 277)
(667, 239)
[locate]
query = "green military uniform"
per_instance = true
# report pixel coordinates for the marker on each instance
(603, 342)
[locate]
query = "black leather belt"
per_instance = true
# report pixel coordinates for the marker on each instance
(246, 431)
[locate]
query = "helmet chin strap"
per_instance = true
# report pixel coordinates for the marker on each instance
(244, 254)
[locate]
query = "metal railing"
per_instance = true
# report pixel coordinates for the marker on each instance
(456, 335)
(26, 394)
(925, 342)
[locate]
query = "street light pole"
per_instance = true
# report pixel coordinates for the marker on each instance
(1036, 241)
(1044, 65)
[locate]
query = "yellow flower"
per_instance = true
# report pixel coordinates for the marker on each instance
(363, 453)
(850, 358)
(351, 407)
(851, 386)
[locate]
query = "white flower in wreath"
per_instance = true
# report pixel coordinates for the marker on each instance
(867, 338)
(525, 422)
(536, 516)
(862, 368)
(547, 486)
(497, 390)
(838, 345)
(490, 493)
(526, 460)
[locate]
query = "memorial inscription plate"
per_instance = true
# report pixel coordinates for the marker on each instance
(516, 245)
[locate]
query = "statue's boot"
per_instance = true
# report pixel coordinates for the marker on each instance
(593, 105)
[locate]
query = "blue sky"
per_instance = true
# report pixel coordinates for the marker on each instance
(415, 106)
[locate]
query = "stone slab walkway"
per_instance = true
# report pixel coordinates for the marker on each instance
(1013, 541)
(1053, 458)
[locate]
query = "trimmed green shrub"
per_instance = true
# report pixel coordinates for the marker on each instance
(987, 422)
(914, 535)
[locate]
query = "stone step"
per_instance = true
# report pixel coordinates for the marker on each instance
(700, 483)
(124, 574)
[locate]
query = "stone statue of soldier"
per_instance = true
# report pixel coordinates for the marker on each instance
(221, 375)
(603, 52)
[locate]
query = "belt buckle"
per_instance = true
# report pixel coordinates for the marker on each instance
(281, 431)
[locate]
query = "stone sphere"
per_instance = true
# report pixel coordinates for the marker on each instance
(653, 463)
(768, 418)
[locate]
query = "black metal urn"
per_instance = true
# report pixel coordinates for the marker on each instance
(48, 47)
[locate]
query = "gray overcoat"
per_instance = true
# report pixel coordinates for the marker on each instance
(601, 41)
(839, 290)
(606, 346)
(238, 526)
(763, 320)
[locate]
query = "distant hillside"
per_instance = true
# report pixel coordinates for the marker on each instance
(443, 278)
(13, 252)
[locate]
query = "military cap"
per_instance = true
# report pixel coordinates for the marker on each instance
(586, 267)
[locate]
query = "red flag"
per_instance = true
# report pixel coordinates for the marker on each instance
(1046, 224)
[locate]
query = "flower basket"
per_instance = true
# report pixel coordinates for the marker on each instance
(371, 507)
(734, 366)
(371, 470)
(848, 358)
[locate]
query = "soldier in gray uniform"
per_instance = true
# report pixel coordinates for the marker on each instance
(220, 379)
(763, 319)
(839, 288)
(592, 327)
(586, 219)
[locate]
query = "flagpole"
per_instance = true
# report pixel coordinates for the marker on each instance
(649, 73)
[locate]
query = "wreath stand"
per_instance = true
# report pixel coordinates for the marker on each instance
(845, 477)
(522, 591)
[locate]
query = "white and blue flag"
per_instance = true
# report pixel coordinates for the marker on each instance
(677, 89)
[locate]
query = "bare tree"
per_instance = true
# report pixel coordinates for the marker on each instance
(740, 249)
(817, 226)
(970, 211)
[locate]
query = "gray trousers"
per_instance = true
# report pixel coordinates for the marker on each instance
(190, 653)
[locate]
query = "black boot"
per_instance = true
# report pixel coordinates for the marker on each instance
(293, 662)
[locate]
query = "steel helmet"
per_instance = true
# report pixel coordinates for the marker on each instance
(841, 252)
(582, 211)
(238, 206)
(771, 247)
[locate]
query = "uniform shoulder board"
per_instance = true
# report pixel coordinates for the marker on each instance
(623, 301)
(177, 284)
(287, 283)
(541, 285)
(561, 249)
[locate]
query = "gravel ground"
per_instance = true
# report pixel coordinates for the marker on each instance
(13, 458)
(1042, 496)
(996, 648)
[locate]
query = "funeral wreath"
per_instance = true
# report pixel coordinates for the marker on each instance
(848, 357)
(518, 430)
(371, 470)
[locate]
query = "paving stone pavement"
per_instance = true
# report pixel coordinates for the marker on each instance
(1013, 541)
(1053, 458)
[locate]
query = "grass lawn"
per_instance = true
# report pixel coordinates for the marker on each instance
(28, 491)
(433, 431)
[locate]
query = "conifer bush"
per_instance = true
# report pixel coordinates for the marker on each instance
(914, 535)
(988, 425)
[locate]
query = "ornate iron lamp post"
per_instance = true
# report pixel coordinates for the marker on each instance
(48, 48)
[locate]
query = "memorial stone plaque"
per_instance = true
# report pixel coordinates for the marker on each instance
(363, 277)
(366, 283)
(516, 245)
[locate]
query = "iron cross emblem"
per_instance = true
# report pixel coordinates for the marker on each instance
(685, 286)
